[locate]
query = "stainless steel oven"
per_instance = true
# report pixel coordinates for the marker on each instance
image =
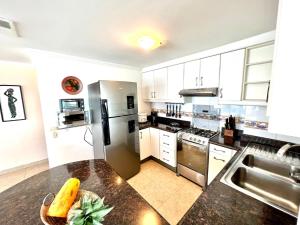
(192, 154)
(192, 161)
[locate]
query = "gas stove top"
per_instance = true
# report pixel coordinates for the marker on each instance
(197, 135)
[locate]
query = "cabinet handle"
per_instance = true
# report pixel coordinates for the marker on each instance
(219, 159)
(166, 159)
(141, 135)
(166, 151)
(165, 143)
(201, 81)
(197, 81)
(166, 135)
(267, 98)
(219, 150)
(154, 94)
(221, 92)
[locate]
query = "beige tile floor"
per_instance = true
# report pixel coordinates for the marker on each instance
(7, 180)
(170, 195)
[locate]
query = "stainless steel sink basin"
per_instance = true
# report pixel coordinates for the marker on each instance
(277, 168)
(264, 179)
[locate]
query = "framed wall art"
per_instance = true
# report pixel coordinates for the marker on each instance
(72, 85)
(11, 103)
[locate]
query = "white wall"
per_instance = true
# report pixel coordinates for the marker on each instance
(52, 68)
(22, 142)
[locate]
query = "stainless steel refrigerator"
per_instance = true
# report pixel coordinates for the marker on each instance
(114, 119)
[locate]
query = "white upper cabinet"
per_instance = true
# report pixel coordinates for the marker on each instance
(191, 74)
(175, 82)
(161, 83)
(148, 85)
(231, 76)
(284, 108)
(209, 72)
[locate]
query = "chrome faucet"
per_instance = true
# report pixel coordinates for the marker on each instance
(295, 173)
(282, 151)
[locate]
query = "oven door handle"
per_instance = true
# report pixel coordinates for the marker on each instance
(194, 144)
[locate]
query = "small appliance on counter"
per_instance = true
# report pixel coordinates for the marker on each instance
(72, 113)
(154, 118)
(142, 117)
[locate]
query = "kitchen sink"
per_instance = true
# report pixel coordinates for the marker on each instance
(266, 165)
(264, 179)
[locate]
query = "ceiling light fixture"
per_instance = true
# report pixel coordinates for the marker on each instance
(148, 43)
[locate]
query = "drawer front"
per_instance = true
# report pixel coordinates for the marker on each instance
(167, 157)
(167, 153)
(167, 137)
(220, 152)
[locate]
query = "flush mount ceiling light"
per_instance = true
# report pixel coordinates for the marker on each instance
(148, 43)
(144, 38)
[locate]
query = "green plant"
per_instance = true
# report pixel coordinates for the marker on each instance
(90, 212)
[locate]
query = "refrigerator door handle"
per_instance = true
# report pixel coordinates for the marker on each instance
(105, 122)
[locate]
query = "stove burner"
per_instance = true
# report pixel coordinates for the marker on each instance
(200, 132)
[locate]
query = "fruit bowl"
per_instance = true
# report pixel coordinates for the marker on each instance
(48, 220)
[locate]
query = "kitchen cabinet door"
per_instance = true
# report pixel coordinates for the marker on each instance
(148, 85)
(209, 72)
(283, 108)
(145, 145)
(191, 74)
(231, 76)
(161, 84)
(218, 158)
(154, 141)
(175, 82)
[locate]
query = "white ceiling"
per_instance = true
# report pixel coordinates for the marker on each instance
(97, 28)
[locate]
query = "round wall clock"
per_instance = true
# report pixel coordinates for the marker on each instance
(72, 85)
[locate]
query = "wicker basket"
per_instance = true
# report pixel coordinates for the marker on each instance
(48, 220)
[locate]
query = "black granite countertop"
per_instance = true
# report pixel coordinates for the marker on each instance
(20, 205)
(219, 140)
(159, 126)
(223, 205)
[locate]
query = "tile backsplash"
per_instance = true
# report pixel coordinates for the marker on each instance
(252, 120)
(212, 116)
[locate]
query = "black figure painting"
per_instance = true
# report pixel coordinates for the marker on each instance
(11, 103)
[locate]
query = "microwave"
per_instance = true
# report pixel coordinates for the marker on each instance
(71, 105)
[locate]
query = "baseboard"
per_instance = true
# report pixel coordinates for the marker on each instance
(24, 166)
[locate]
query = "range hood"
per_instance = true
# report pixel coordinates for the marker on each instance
(204, 92)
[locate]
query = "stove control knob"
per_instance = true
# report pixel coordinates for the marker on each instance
(194, 139)
(199, 141)
(191, 138)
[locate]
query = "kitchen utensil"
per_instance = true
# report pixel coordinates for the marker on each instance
(173, 110)
(167, 114)
(176, 113)
(179, 111)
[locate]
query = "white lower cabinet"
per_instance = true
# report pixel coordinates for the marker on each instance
(145, 145)
(159, 144)
(168, 147)
(154, 142)
(218, 158)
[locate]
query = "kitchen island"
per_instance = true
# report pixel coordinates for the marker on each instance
(20, 205)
